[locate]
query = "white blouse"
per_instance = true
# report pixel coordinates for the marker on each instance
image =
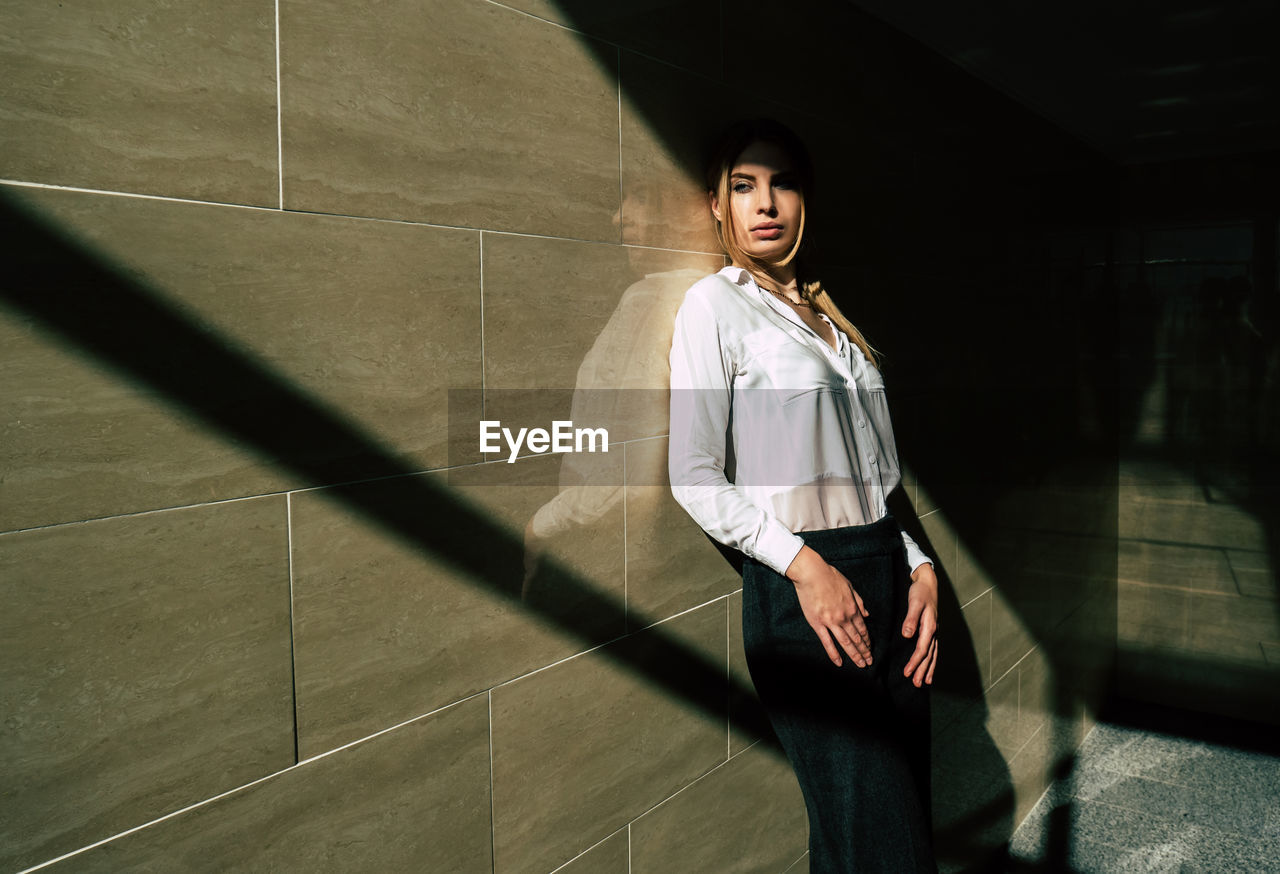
(772, 430)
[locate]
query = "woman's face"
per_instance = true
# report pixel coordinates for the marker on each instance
(765, 200)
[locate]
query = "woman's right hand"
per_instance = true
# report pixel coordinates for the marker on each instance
(831, 606)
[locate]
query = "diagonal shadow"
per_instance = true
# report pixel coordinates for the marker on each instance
(926, 144)
(79, 297)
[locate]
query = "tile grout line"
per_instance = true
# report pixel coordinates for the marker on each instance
(991, 633)
(563, 239)
(1018, 712)
(686, 611)
(237, 789)
(481, 259)
(1022, 658)
(728, 684)
(568, 862)
(138, 195)
(704, 775)
(621, 204)
(977, 596)
(626, 612)
(1231, 569)
(293, 491)
(279, 114)
(643, 440)
(605, 643)
(1026, 744)
(526, 234)
(135, 513)
(557, 24)
(293, 636)
(388, 729)
(493, 851)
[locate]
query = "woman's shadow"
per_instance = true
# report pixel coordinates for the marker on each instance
(973, 796)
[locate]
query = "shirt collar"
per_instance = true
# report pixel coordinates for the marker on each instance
(742, 277)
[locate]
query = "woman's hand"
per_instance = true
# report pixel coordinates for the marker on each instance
(922, 614)
(832, 607)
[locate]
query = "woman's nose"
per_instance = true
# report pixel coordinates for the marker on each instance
(764, 200)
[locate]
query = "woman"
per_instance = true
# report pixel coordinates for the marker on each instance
(781, 447)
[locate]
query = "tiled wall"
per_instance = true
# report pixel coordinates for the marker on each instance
(1199, 605)
(249, 620)
(1198, 609)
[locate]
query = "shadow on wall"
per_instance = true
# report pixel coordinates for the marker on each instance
(918, 214)
(72, 294)
(1200, 464)
(55, 287)
(102, 312)
(940, 273)
(60, 288)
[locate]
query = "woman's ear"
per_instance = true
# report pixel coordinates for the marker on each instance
(715, 204)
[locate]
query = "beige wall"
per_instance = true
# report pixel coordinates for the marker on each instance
(249, 620)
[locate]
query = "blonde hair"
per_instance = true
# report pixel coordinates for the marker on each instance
(733, 143)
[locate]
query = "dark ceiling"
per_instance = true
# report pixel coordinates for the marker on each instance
(1136, 81)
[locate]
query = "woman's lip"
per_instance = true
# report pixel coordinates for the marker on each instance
(768, 233)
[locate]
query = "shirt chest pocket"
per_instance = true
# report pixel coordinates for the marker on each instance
(790, 367)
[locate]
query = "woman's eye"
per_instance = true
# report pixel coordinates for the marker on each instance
(741, 188)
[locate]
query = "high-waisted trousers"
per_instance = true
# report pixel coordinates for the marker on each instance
(858, 738)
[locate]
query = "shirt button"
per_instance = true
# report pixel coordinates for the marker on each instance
(871, 458)
(862, 423)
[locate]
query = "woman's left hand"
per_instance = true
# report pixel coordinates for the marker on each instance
(922, 614)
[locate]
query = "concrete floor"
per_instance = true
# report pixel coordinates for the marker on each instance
(1140, 800)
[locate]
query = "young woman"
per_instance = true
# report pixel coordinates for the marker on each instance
(781, 447)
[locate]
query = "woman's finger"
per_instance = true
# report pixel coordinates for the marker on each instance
(917, 678)
(850, 646)
(918, 656)
(857, 629)
(922, 673)
(913, 617)
(933, 661)
(858, 600)
(832, 652)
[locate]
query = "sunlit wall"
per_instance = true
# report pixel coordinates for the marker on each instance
(251, 619)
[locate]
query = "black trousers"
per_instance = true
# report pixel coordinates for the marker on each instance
(858, 738)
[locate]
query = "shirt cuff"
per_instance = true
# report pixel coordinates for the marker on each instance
(915, 557)
(777, 547)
